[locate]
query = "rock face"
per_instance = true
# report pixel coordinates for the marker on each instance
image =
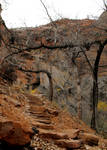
(66, 134)
(72, 144)
(102, 21)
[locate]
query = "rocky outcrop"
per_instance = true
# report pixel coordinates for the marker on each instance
(15, 128)
(14, 134)
(102, 21)
(72, 144)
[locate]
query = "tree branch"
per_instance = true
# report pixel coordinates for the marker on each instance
(50, 18)
(87, 60)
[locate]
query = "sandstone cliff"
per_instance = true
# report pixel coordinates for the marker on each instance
(59, 63)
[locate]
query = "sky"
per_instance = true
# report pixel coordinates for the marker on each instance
(31, 13)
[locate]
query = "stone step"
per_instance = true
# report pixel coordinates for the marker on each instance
(34, 98)
(52, 134)
(41, 118)
(36, 108)
(34, 103)
(69, 143)
(66, 134)
(43, 121)
(42, 126)
(39, 115)
(89, 139)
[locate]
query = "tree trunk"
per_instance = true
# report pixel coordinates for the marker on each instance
(94, 104)
(79, 99)
(95, 84)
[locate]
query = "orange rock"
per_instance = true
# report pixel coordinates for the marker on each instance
(14, 134)
(66, 134)
(69, 143)
(15, 127)
(52, 134)
(72, 133)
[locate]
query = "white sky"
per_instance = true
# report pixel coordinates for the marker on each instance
(20, 13)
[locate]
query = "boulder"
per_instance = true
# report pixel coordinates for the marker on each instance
(14, 134)
(15, 126)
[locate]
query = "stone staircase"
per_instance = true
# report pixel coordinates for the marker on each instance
(41, 119)
(42, 114)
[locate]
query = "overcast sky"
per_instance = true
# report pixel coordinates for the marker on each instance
(19, 13)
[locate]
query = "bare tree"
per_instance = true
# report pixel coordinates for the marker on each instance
(50, 18)
(54, 26)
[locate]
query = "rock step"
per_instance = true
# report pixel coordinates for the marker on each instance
(36, 103)
(43, 121)
(34, 98)
(48, 112)
(65, 139)
(66, 134)
(39, 114)
(70, 143)
(89, 139)
(35, 111)
(34, 115)
(41, 118)
(36, 107)
(42, 126)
